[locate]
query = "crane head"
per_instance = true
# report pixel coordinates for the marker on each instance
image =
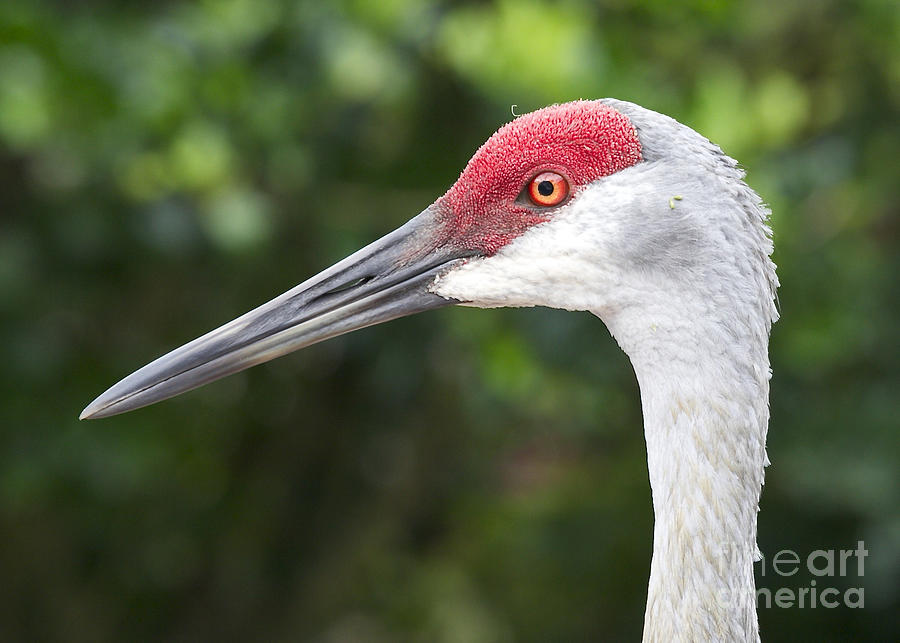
(552, 201)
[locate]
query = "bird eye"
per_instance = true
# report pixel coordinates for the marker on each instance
(548, 188)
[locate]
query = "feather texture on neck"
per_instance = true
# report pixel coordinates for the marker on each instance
(704, 393)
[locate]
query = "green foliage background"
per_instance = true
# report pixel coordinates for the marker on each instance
(461, 476)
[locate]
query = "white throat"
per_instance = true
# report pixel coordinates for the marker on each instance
(704, 392)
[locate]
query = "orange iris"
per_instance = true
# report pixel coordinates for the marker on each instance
(548, 188)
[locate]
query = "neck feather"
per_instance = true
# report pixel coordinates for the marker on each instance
(704, 379)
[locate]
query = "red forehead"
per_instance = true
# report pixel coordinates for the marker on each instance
(582, 140)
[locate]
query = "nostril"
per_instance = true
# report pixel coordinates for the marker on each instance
(353, 283)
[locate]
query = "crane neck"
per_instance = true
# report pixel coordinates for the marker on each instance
(704, 380)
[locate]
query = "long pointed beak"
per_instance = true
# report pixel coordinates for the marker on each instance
(385, 280)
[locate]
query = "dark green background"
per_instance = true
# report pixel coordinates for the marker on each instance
(461, 476)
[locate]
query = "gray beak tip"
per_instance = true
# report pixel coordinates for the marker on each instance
(93, 411)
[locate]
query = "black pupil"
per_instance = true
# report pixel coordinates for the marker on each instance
(545, 188)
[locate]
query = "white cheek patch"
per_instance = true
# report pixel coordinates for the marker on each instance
(515, 276)
(483, 283)
(562, 263)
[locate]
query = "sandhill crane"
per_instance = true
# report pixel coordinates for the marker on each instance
(601, 206)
